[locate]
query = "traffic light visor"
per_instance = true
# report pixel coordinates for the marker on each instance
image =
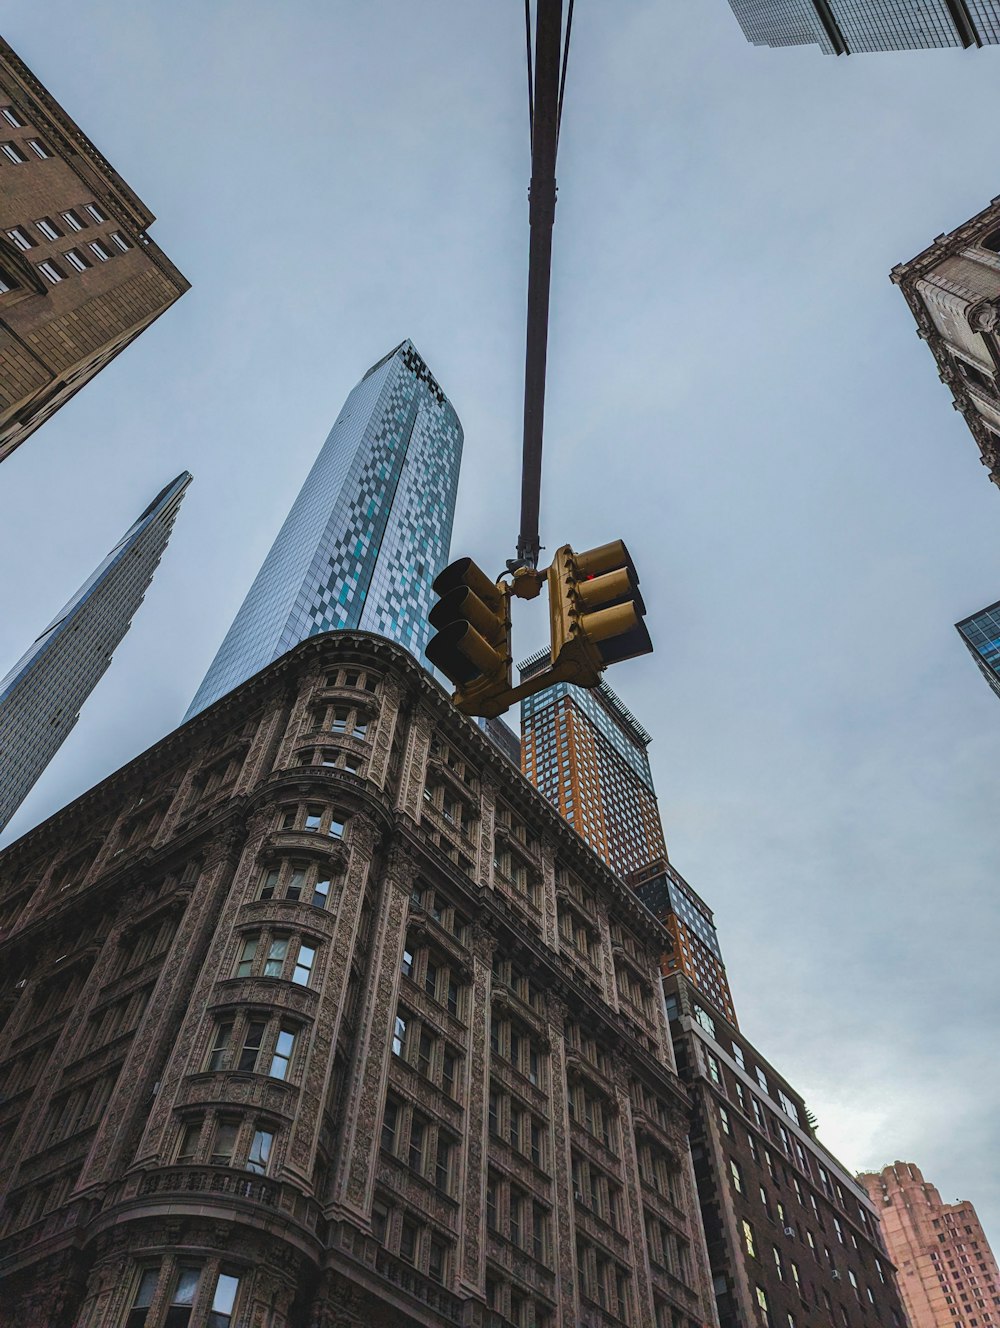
(461, 653)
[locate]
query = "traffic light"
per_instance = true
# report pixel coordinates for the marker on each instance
(471, 646)
(595, 611)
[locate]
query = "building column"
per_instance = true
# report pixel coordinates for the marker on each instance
(472, 1237)
(354, 1178)
(564, 1231)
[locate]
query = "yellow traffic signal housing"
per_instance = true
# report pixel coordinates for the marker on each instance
(595, 611)
(471, 646)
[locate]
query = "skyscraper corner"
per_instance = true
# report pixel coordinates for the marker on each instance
(981, 634)
(80, 277)
(846, 27)
(41, 696)
(367, 534)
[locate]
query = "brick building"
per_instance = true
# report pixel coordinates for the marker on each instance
(948, 1275)
(587, 753)
(793, 1239)
(79, 276)
(953, 290)
(317, 1014)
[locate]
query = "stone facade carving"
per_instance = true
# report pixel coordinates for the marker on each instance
(306, 1055)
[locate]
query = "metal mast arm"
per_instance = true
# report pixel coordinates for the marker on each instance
(541, 215)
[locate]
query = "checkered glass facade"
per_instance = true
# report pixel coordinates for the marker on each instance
(869, 25)
(981, 634)
(41, 697)
(368, 533)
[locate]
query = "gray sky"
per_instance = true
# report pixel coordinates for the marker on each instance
(734, 387)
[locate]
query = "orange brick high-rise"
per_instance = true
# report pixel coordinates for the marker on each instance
(947, 1274)
(587, 753)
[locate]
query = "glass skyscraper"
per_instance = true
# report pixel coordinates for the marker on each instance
(368, 533)
(41, 697)
(842, 27)
(981, 634)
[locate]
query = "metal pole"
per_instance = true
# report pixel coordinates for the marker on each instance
(541, 216)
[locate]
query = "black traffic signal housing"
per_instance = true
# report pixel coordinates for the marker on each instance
(595, 611)
(471, 645)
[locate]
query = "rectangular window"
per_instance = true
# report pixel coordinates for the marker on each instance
(21, 238)
(442, 1165)
(408, 1241)
(430, 979)
(448, 1073)
(120, 241)
(13, 153)
(295, 883)
(51, 272)
(283, 1050)
(313, 817)
(94, 212)
(398, 1035)
(189, 1141)
(260, 1151)
(47, 227)
(76, 260)
(226, 1290)
(247, 954)
(39, 148)
(390, 1123)
(269, 884)
(304, 965)
(220, 1046)
(494, 1115)
(224, 1142)
(336, 830)
(185, 1287)
(418, 1134)
(425, 1048)
(435, 1261)
(73, 220)
(407, 964)
(276, 957)
(14, 120)
(143, 1298)
(251, 1046)
(321, 894)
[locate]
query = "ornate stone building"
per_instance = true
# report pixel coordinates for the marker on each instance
(316, 1014)
(80, 277)
(953, 290)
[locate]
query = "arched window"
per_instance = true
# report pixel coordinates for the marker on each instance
(991, 241)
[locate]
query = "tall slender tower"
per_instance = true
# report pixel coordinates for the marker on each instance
(948, 1275)
(842, 27)
(368, 533)
(41, 697)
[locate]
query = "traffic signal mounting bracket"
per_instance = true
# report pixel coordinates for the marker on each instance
(595, 614)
